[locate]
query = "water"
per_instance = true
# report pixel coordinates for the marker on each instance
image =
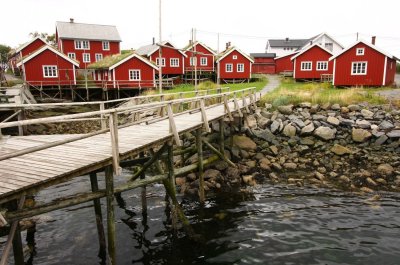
(267, 225)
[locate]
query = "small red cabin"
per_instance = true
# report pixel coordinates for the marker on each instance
(312, 63)
(363, 64)
(234, 65)
(128, 70)
(284, 64)
(264, 63)
(199, 55)
(24, 50)
(48, 67)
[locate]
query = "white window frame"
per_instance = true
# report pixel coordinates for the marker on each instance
(51, 69)
(174, 62)
(238, 66)
(203, 61)
(72, 55)
(320, 64)
(234, 57)
(193, 61)
(105, 45)
(356, 72)
(303, 66)
(83, 57)
(133, 76)
(162, 61)
(226, 67)
(360, 51)
(80, 45)
(98, 57)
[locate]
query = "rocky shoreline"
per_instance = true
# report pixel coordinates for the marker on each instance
(354, 148)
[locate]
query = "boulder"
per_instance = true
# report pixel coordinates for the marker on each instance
(394, 134)
(363, 124)
(354, 107)
(244, 142)
(333, 121)
(265, 164)
(386, 125)
(360, 135)
(249, 180)
(307, 130)
(305, 105)
(367, 114)
(286, 110)
(385, 170)
(340, 150)
(251, 121)
(266, 135)
(381, 140)
(335, 107)
(263, 122)
(325, 133)
(212, 174)
(274, 149)
(289, 130)
(276, 125)
(299, 123)
(290, 165)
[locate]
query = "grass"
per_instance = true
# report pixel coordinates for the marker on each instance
(290, 92)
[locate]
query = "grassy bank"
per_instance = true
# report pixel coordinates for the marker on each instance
(291, 92)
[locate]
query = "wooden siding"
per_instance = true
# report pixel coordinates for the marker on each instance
(204, 53)
(34, 46)
(246, 74)
(263, 66)
(390, 72)
(169, 53)
(284, 64)
(313, 55)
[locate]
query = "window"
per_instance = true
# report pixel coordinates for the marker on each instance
(306, 66)
(358, 68)
(162, 61)
(106, 45)
(234, 57)
(240, 68)
(72, 55)
(228, 68)
(50, 71)
(322, 66)
(192, 61)
(203, 61)
(360, 51)
(174, 62)
(99, 57)
(86, 57)
(82, 45)
(329, 46)
(134, 75)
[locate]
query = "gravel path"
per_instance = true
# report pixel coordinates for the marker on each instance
(273, 82)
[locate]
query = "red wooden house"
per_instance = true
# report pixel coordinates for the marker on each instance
(24, 50)
(87, 43)
(234, 65)
(312, 62)
(199, 55)
(172, 59)
(48, 67)
(363, 64)
(264, 63)
(128, 70)
(284, 64)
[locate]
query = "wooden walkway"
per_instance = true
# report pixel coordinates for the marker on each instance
(23, 174)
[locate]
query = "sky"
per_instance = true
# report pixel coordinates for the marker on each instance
(246, 24)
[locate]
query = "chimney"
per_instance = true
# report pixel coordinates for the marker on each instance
(373, 40)
(311, 42)
(71, 20)
(154, 40)
(227, 45)
(287, 39)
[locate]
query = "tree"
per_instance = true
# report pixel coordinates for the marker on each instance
(50, 39)
(4, 50)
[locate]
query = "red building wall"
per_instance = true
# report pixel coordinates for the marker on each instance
(284, 64)
(375, 67)
(169, 53)
(235, 74)
(205, 53)
(146, 74)
(314, 55)
(94, 47)
(33, 70)
(263, 66)
(390, 72)
(34, 46)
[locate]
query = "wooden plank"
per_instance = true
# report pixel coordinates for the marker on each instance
(6, 177)
(24, 173)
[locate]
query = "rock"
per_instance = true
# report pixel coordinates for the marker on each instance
(191, 176)
(347, 122)
(266, 135)
(377, 134)
(318, 117)
(287, 110)
(267, 106)
(305, 105)
(363, 124)
(265, 164)
(299, 123)
(385, 170)
(243, 142)
(360, 135)
(251, 163)
(212, 174)
(381, 140)
(221, 165)
(340, 150)
(385, 125)
(335, 107)
(344, 178)
(344, 110)
(366, 190)
(276, 125)
(290, 165)
(354, 107)
(289, 130)
(276, 166)
(273, 176)
(307, 141)
(263, 122)
(394, 134)
(371, 182)
(319, 176)
(251, 121)
(232, 173)
(325, 133)
(381, 181)
(249, 180)
(274, 149)
(307, 130)
(367, 114)
(333, 121)
(180, 181)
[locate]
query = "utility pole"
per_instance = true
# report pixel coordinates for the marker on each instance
(357, 37)
(159, 51)
(218, 62)
(195, 55)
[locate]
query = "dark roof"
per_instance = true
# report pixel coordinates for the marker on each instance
(263, 55)
(296, 43)
(72, 30)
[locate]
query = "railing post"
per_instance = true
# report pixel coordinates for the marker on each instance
(162, 114)
(237, 108)
(113, 124)
(172, 125)
(103, 120)
(204, 116)
(181, 103)
(227, 110)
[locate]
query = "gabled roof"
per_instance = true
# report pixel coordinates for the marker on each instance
(72, 30)
(148, 50)
(23, 46)
(309, 48)
(326, 34)
(292, 43)
(263, 55)
(190, 46)
(113, 61)
(286, 55)
(365, 43)
(228, 51)
(42, 49)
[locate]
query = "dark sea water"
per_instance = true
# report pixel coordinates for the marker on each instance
(266, 225)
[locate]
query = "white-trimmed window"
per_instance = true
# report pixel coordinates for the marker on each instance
(360, 51)
(306, 66)
(234, 57)
(240, 67)
(174, 62)
(72, 55)
(98, 57)
(229, 68)
(329, 46)
(86, 57)
(134, 75)
(50, 71)
(106, 45)
(82, 45)
(203, 61)
(359, 68)
(162, 61)
(193, 61)
(322, 65)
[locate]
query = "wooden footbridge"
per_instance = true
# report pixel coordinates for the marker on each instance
(32, 163)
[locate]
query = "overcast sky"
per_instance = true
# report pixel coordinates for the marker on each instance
(247, 24)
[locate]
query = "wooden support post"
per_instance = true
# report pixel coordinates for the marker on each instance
(172, 125)
(199, 145)
(146, 165)
(227, 110)
(113, 124)
(143, 191)
(102, 121)
(221, 136)
(219, 154)
(21, 117)
(162, 109)
(204, 116)
(110, 214)
(254, 99)
(99, 218)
